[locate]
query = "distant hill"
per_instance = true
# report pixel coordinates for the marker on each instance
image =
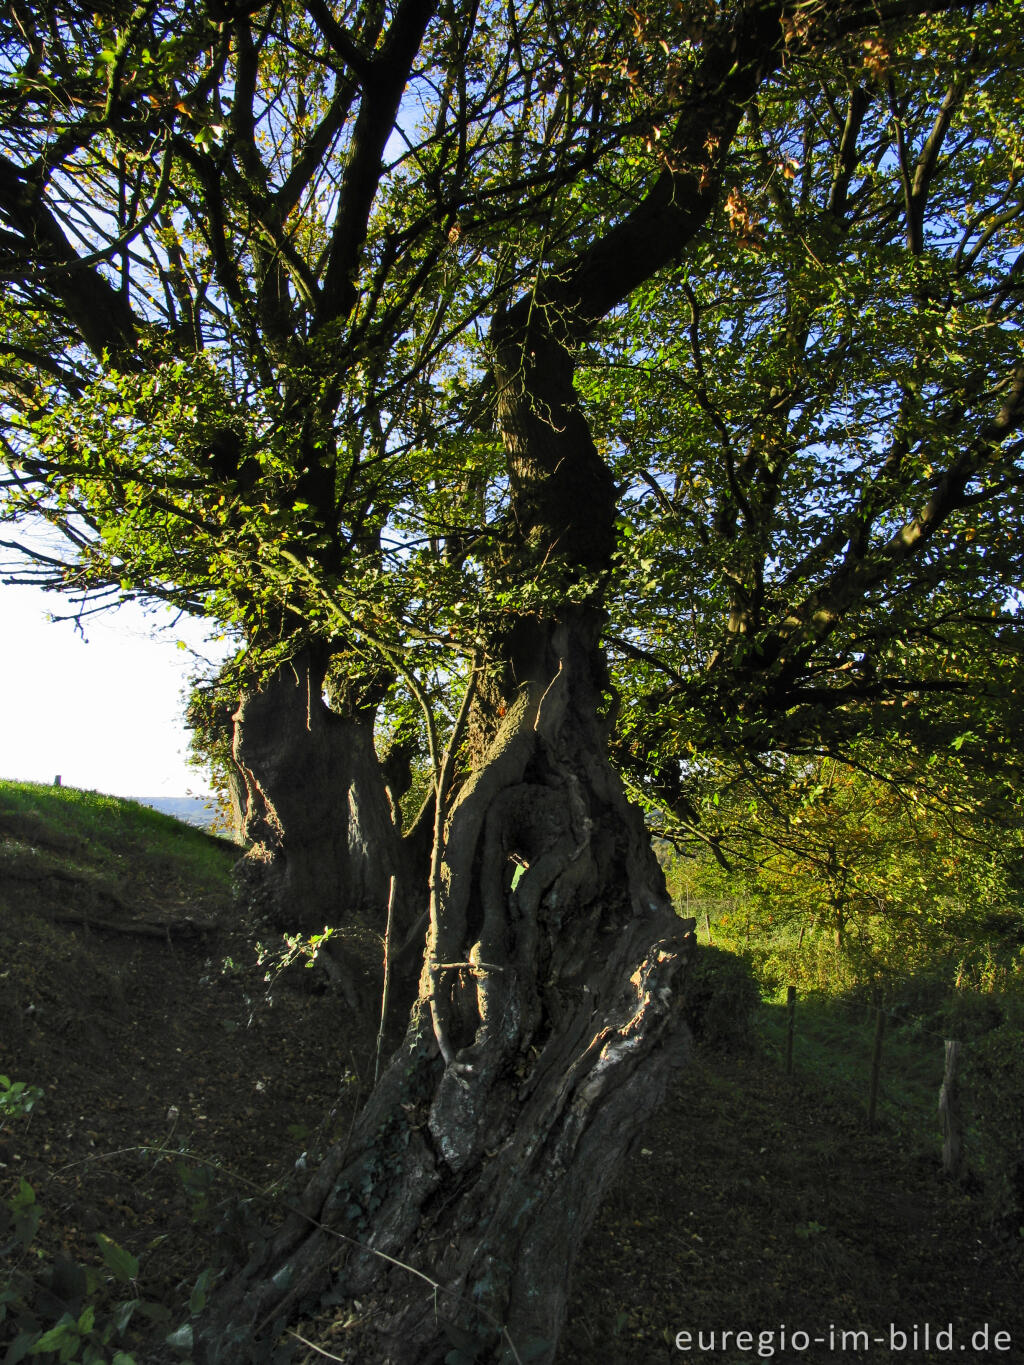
(192, 809)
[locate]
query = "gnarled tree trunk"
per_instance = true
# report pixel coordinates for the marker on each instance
(544, 1033)
(322, 840)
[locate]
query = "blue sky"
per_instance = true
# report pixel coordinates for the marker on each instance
(104, 711)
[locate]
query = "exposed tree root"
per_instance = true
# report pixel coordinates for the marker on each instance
(148, 928)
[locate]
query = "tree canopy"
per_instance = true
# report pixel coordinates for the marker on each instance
(259, 265)
(649, 379)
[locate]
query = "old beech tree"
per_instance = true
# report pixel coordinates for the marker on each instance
(439, 348)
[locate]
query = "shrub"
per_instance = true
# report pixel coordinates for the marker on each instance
(721, 998)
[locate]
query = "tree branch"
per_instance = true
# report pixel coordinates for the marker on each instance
(374, 125)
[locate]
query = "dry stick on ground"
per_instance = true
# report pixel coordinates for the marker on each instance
(185, 928)
(314, 1347)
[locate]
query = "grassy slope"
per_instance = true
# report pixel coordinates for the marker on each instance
(111, 851)
(172, 1078)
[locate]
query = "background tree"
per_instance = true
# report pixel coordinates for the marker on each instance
(816, 503)
(380, 332)
(842, 881)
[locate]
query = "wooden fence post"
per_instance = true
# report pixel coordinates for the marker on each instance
(950, 1116)
(707, 926)
(790, 1025)
(876, 1066)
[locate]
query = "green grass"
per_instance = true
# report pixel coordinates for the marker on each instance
(832, 1047)
(113, 846)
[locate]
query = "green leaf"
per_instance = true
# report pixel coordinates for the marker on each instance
(197, 1299)
(26, 1213)
(56, 1337)
(123, 1314)
(123, 1265)
(155, 1312)
(26, 1195)
(181, 1338)
(19, 1348)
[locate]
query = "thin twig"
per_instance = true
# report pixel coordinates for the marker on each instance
(313, 1347)
(386, 988)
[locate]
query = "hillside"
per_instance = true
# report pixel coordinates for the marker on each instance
(179, 1088)
(133, 999)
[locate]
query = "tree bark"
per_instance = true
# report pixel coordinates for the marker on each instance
(322, 841)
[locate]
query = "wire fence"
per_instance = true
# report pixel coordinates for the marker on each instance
(946, 1103)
